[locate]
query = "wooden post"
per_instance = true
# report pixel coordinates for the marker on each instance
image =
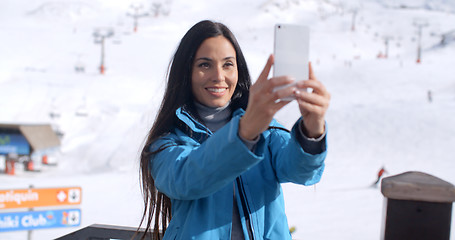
(417, 206)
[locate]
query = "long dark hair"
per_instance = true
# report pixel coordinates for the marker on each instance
(178, 94)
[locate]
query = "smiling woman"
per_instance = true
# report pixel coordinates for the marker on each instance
(214, 159)
(214, 76)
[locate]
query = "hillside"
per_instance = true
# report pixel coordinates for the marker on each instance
(380, 114)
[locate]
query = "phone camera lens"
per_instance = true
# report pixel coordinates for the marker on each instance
(279, 26)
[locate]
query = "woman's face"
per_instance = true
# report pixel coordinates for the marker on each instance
(214, 75)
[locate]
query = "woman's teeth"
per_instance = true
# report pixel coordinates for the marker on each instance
(216, 90)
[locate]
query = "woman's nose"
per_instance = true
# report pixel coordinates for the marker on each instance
(218, 75)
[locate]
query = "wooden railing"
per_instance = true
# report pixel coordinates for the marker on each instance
(418, 206)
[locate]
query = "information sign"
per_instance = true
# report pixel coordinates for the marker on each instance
(36, 197)
(17, 221)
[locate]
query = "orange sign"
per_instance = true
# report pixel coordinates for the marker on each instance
(36, 197)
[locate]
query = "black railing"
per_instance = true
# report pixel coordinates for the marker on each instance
(105, 232)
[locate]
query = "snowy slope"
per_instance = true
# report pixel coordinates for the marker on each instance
(379, 113)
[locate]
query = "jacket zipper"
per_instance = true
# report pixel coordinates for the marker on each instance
(239, 179)
(243, 199)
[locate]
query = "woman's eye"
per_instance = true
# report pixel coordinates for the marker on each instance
(228, 64)
(204, 65)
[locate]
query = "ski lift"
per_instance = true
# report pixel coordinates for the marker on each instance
(117, 40)
(100, 34)
(82, 111)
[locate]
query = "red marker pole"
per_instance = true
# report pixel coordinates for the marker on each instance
(102, 56)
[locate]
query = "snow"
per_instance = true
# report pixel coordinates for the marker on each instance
(379, 114)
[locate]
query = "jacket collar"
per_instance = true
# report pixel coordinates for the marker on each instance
(193, 128)
(190, 121)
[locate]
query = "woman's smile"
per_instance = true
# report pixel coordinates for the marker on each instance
(217, 90)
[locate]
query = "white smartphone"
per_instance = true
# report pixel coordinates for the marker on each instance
(291, 50)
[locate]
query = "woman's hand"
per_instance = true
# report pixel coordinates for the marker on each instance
(312, 105)
(263, 102)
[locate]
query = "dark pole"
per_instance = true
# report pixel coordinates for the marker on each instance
(100, 36)
(419, 43)
(136, 16)
(386, 42)
(102, 55)
(354, 15)
(419, 24)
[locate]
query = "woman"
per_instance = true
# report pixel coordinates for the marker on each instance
(214, 159)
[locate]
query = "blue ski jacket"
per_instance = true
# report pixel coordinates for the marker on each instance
(200, 171)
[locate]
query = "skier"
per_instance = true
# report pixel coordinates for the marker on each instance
(380, 174)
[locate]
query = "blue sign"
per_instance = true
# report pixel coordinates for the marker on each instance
(14, 143)
(17, 221)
